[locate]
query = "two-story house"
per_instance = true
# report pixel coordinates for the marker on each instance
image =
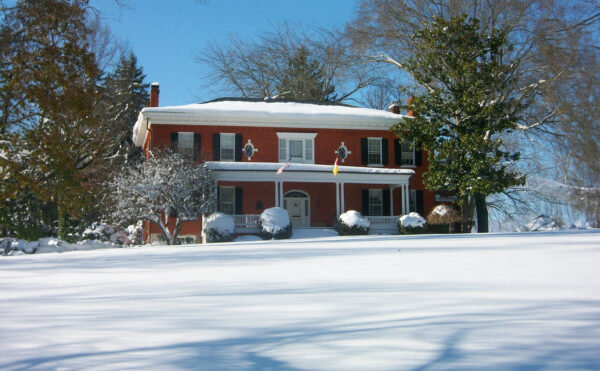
(269, 153)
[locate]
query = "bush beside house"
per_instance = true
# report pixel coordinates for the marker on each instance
(352, 223)
(274, 223)
(412, 223)
(219, 228)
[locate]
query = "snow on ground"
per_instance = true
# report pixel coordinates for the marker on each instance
(460, 302)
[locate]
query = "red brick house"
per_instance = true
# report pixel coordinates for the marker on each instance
(246, 142)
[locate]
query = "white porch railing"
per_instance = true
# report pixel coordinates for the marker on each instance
(384, 224)
(246, 222)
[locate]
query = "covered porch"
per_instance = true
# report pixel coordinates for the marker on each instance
(312, 194)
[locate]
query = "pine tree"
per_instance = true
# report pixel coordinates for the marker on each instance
(50, 83)
(304, 79)
(465, 103)
(126, 94)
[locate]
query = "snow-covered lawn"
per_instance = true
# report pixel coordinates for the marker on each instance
(462, 302)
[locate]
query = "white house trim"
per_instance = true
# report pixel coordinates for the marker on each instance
(260, 114)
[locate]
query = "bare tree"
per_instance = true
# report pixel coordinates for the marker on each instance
(258, 67)
(167, 187)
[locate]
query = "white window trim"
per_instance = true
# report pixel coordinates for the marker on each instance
(221, 199)
(380, 164)
(297, 136)
(221, 135)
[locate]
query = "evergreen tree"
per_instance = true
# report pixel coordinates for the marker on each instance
(304, 79)
(56, 140)
(464, 103)
(127, 94)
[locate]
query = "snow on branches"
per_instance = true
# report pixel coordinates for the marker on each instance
(168, 186)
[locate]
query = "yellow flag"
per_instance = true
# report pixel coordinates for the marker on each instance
(335, 167)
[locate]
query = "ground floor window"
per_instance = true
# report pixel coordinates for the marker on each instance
(376, 202)
(227, 200)
(412, 203)
(186, 240)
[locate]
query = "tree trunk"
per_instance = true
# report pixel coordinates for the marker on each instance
(164, 230)
(482, 213)
(178, 225)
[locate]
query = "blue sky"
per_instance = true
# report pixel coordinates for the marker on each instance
(165, 35)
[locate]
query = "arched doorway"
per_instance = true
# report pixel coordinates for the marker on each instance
(297, 203)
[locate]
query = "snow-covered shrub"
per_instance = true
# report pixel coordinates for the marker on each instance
(352, 223)
(274, 223)
(98, 231)
(542, 223)
(219, 228)
(412, 223)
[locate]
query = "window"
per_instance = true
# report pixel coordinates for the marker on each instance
(412, 200)
(376, 202)
(296, 147)
(227, 147)
(407, 153)
(185, 143)
(186, 240)
(227, 200)
(374, 151)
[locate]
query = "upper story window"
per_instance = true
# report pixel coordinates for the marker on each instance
(297, 147)
(185, 143)
(374, 151)
(227, 147)
(407, 153)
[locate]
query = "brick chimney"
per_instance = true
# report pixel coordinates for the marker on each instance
(154, 91)
(394, 108)
(410, 111)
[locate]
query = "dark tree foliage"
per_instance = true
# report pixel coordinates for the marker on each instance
(463, 103)
(304, 79)
(126, 95)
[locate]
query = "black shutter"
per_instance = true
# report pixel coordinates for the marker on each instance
(418, 155)
(364, 151)
(420, 203)
(238, 201)
(238, 147)
(174, 140)
(386, 203)
(197, 146)
(219, 199)
(397, 152)
(365, 201)
(384, 151)
(216, 147)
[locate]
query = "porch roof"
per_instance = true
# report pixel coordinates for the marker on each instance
(311, 173)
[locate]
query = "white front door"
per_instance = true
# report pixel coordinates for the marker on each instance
(297, 207)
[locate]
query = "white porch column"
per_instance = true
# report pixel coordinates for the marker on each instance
(281, 194)
(407, 195)
(343, 208)
(337, 198)
(391, 200)
(402, 201)
(276, 194)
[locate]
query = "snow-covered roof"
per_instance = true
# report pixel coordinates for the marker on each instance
(274, 166)
(265, 114)
(267, 171)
